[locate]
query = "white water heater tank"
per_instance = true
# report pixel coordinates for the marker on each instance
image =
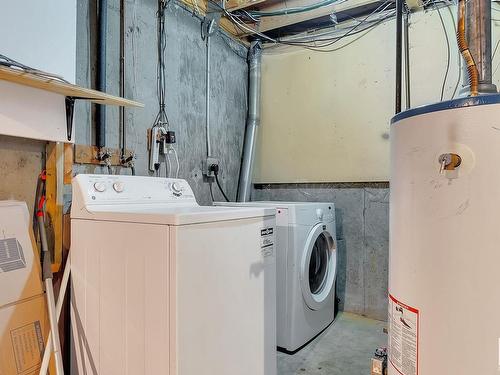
(444, 264)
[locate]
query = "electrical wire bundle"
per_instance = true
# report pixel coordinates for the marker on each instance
(319, 42)
(161, 119)
(287, 11)
(11, 63)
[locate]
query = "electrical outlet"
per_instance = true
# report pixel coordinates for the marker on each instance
(206, 166)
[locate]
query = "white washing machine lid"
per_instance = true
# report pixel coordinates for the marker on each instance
(149, 200)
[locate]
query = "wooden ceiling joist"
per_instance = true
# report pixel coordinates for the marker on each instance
(232, 5)
(275, 22)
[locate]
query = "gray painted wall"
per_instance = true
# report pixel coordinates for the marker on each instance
(185, 90)
(362, 213)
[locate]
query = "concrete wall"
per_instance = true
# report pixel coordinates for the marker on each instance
(362, 213)
(185, 90)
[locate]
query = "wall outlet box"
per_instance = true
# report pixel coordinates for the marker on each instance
(206, 166)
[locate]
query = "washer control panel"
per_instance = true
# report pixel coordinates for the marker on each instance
(109, 189)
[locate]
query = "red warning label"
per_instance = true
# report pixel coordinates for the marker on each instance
(403, 337)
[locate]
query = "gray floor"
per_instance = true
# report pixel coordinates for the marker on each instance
(345, 348)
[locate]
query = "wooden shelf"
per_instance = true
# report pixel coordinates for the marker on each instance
(62, 88)
(69, 91)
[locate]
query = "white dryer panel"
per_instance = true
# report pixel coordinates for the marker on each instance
(302, 314)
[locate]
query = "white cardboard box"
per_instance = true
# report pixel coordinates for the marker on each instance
(20, 276)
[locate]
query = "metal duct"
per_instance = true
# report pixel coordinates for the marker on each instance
(478, 35)
(253, 121)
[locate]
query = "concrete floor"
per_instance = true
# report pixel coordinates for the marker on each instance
(345, 348)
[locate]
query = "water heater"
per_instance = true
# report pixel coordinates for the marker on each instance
(444, 264)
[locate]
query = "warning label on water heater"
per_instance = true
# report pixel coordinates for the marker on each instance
(403, 337)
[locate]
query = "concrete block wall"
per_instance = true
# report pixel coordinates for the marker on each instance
(362, 213)
(185, 90)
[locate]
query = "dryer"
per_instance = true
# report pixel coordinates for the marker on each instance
(163, 286)
(306, 264)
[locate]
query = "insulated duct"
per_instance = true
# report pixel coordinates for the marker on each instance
(253, 121)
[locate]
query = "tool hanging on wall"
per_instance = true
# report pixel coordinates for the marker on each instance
(47, 274)
(161, 138)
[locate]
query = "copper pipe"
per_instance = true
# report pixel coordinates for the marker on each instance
(463, 47)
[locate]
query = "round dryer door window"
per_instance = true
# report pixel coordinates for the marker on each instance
(319, 264)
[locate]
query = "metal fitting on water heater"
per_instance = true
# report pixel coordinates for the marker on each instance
(449, 162)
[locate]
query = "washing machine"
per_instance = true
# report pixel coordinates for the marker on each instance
(163, 286)
(306, 266)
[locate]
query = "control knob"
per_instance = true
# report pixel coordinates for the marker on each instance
(100, 187)
(118, 187)
(177, 188)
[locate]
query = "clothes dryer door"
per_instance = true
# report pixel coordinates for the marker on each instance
(318, 267)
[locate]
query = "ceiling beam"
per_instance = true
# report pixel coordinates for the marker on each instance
(232, 5)
(225, 24)
(276, 22)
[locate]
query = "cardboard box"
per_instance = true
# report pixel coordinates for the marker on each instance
(24, 323)
(19, 259)
(24, 327)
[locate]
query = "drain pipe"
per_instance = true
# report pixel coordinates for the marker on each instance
(101, 73)
(253, 121)
(123, 128)
(125, 160)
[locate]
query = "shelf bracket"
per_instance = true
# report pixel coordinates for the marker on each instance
(70, 110)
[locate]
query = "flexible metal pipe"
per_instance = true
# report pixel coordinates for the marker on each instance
(478, 36)
(472, 72)
(101, 72)
(253, 122)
